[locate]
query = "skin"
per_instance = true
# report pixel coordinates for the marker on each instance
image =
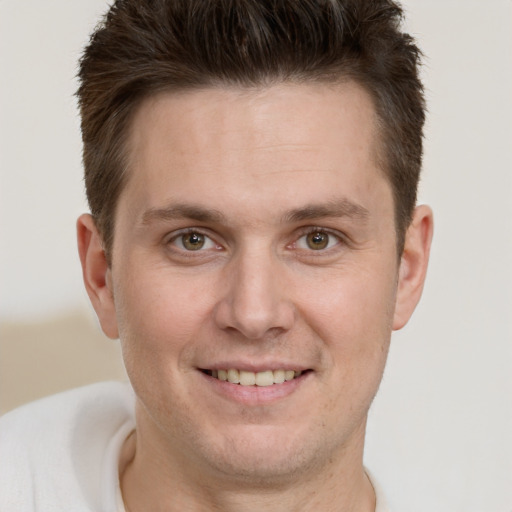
(254, 172)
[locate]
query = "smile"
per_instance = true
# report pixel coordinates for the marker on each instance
(246, 378)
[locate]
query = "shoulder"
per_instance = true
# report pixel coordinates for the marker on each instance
(90, 411)
(51, 450)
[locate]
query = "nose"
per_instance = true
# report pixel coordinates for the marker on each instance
(255, 301)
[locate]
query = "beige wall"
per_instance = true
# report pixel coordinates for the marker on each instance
(42, 358)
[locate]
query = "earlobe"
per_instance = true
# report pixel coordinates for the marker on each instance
(96, 274)
(413, 265)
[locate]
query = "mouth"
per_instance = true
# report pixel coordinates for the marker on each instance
(261, 379)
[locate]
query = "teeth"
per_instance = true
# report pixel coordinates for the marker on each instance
(279, 376)
(266, 378)
(289, 375)
(247, 378)
(233, 376)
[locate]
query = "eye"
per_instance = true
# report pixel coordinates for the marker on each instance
(193, 241)
(317, 240)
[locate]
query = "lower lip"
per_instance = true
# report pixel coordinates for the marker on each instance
(255, 395)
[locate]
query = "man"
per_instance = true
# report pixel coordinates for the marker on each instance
(251, 169)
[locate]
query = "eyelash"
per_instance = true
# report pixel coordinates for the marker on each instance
(190, 231)
(339, 239)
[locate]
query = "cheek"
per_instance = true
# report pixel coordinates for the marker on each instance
(352, 314)
(351, 302)
(158, 329)
(159, 319)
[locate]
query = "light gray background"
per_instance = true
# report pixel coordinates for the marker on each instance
(440, 431)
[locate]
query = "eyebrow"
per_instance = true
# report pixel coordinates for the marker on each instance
(337, 208)
(182, 211)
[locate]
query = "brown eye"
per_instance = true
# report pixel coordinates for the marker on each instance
(193, 241)
(317, 240)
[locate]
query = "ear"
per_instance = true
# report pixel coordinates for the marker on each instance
(97, 274)
(413, 265)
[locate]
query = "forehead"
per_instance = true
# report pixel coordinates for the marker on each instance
(250, 142)
(303, 109)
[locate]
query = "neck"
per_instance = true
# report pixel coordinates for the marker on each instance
(153, 479)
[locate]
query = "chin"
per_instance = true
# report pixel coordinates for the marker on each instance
(263, 456)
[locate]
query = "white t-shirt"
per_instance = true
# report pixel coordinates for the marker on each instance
(61, 453)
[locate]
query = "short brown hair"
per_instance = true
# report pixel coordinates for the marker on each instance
(147, 46)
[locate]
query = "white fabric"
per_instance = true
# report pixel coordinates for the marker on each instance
(61, 453)
(381, 503)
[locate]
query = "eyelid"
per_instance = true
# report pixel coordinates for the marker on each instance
(173, 236)
(302, 232)
(340, 237)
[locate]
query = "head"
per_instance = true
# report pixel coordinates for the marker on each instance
(252, 171)
(143, 48)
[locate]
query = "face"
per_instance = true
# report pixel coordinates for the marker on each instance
(254, 242)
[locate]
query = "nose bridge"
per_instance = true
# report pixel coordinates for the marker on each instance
(255, 301)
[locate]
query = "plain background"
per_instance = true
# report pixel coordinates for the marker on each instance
(440, 430)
